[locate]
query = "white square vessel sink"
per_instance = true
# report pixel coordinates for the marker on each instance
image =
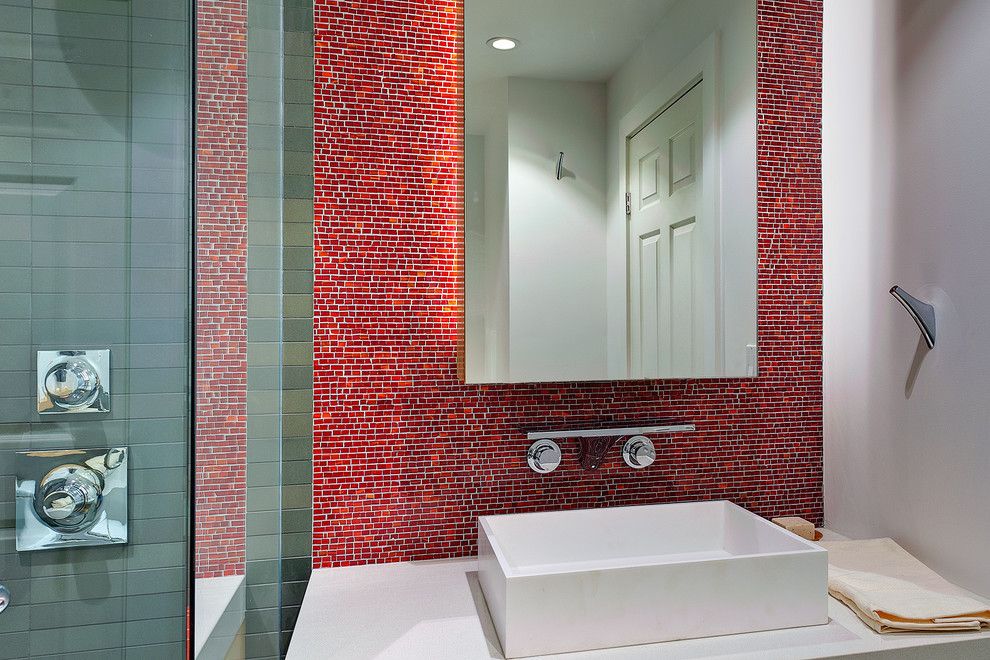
(566, 581)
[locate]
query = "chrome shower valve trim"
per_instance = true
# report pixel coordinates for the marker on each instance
(73, 381)
(543, 456)
(71, 497)
(639, 452)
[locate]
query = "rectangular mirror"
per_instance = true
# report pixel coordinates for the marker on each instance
(610, 189)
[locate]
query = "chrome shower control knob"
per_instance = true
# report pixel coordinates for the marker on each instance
(543, 456)
(4, 598)
(72, 383)
(638, 452)
(68, 498)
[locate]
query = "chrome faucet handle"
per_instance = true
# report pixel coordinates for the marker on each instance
(62, 504)
(68, 498)
(4, 598)
(639, 452)
(543, 456)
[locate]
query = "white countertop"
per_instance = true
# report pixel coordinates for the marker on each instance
(214, 598)
(435, 610)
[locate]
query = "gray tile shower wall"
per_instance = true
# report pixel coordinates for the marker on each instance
(264, 394)
(297, 312)
(279, 321)
(94, 245)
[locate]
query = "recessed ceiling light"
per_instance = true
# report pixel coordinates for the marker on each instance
(502, 43)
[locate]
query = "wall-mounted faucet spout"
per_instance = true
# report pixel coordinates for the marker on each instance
(592, 451)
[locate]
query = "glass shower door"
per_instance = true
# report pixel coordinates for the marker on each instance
(95, 244)
(143, 327)
(238, 337)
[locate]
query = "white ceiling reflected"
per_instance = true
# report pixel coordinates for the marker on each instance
(579, 40)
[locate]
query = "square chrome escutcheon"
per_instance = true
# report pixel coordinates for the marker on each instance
(71, 497)
(73, 381)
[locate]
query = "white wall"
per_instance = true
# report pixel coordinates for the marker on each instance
(687, 25)
(556, 230)
(486, 238)
(906, 158)
(475, 280)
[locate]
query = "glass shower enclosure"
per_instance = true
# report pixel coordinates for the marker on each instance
(143, 328)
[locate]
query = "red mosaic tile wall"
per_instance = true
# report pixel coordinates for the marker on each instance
(405, 456)
(221, 286)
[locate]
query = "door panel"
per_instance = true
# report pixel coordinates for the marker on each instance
(682, 302)
(667, 259)
(650, 261)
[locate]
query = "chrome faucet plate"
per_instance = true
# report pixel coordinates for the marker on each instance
(71, 497)
(73, 381)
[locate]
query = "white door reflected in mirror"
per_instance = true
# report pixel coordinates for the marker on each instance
(670, 251)
(634, 255)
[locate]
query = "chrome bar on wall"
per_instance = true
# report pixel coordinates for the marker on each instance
(609, 433)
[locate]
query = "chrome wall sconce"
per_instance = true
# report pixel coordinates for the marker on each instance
(71, 497)
(73, 381)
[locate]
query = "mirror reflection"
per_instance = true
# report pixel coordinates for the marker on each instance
(610, 189)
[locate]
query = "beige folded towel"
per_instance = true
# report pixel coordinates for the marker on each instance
(888, 604)
(891, 591)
